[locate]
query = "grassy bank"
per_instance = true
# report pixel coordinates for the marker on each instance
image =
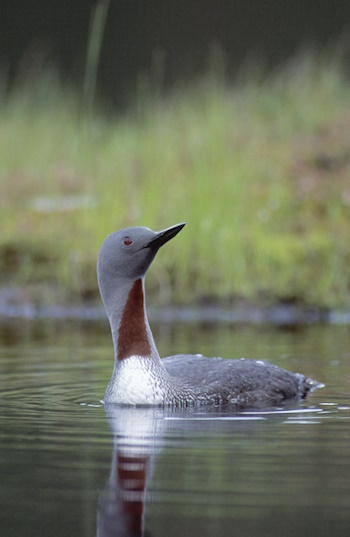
(260, 172)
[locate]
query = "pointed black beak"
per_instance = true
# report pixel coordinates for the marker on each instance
(164, 236)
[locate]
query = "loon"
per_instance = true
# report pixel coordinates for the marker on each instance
(140, 376)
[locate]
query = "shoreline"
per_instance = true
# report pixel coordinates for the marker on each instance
(259, 169)
(13, 306)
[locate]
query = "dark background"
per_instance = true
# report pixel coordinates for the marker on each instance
(168, 39)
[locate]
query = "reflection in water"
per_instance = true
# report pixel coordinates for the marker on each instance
(137, 435)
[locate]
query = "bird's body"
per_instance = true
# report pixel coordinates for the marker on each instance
(140, 376)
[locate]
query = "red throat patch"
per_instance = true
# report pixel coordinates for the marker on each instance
(133, 337)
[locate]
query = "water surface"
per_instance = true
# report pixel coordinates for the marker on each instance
(69, 466)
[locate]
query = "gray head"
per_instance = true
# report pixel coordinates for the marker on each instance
(127, 254)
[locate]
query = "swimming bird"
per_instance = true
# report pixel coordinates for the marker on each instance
(140, 376)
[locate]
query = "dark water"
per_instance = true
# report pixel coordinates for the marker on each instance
(71, 467)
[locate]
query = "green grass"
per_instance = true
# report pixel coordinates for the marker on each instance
(259, 170)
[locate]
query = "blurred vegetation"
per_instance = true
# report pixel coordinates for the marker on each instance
(260, 170)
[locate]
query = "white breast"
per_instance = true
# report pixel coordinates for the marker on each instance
(137, 383)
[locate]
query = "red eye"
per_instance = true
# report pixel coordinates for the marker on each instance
(127, 241)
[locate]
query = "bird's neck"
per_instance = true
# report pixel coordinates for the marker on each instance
(134, 332)
(131, 332)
